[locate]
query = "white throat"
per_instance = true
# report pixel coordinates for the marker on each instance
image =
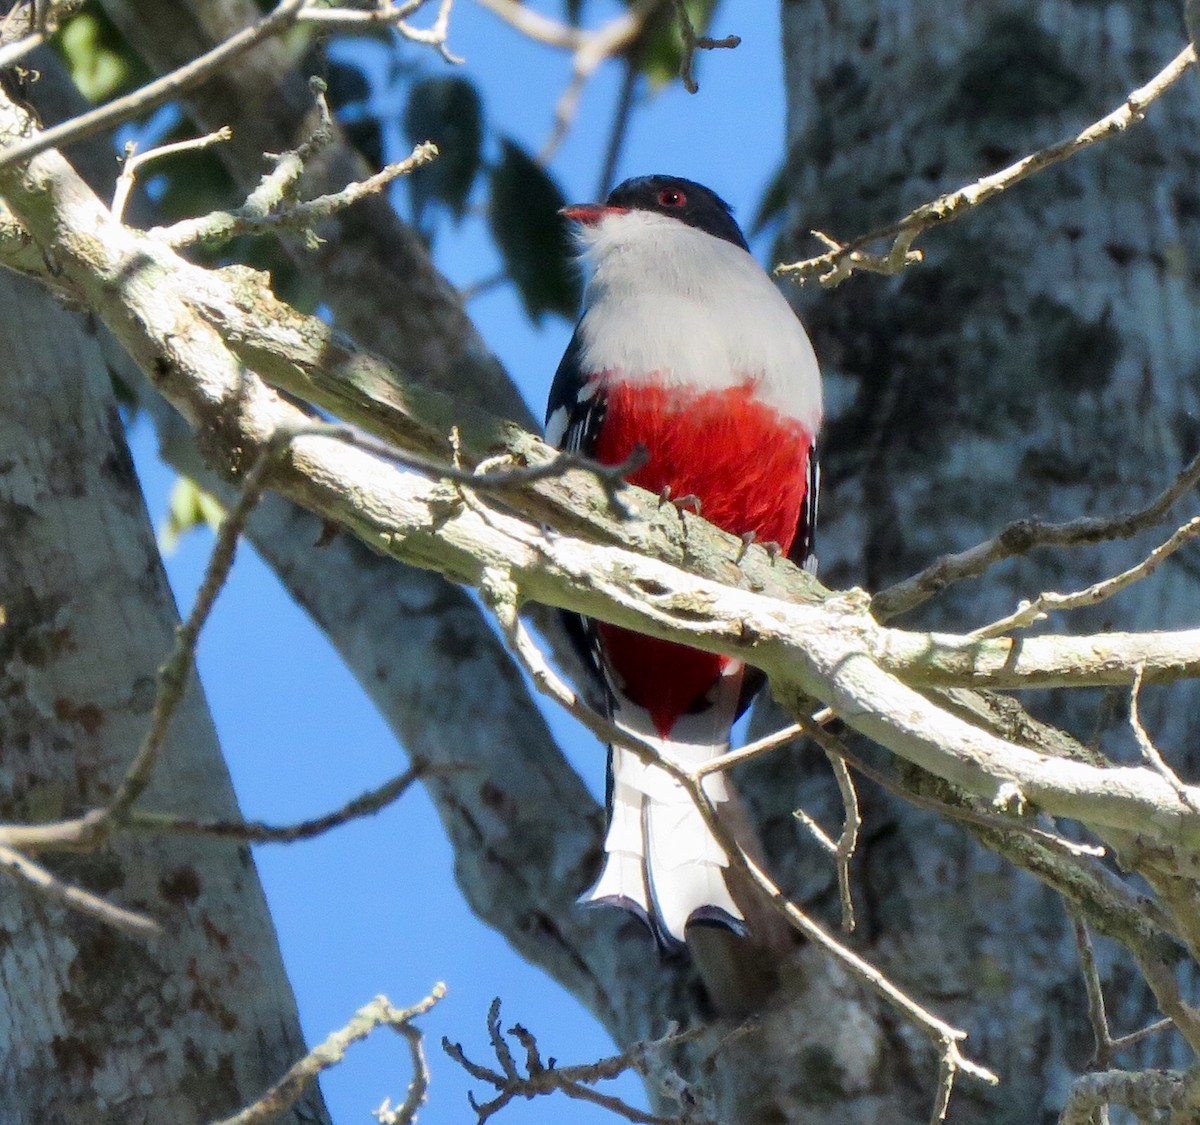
(668, 302)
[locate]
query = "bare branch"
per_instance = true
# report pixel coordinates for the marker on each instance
(753, 749)
(173, 676)
(605, 43)
(1030, 612)
(76, 898)
(842, 849)
(135, 160)
(1102, 1057)
(387, 13)
(256, 832)
(573, 1081)
(848, 840)
(838, 263)
(1022, 536)
(1146, 746)
(1144, 1093)
(536, 26)
(693, 42)
(221, 226)
(380, 1012)
(619, 130)
(179, 81)
(44, 20)
(172, 85)
(969, 815)
(1134, 1037)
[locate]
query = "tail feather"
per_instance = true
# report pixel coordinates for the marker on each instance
(661, 860)
(622, 880)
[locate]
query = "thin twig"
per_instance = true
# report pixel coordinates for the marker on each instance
(135, 160)
(386, 14)
(221, 226)
(843, 259)
(753, 749)
(834, 745)
(947, 1071)
(44, 20)
(693, 42)
(622, 114)
(1134, 1037)
(173, 676)
(1097, 1015)
(380, 1012)
(76, 898)
(11, 53)
(848, 840)
(177, 82)
(1030, 612)
(533, 25)
(574, 1081)
(256, 832)
(163, 89)
(1149, 751)
(605, 43)
(1022, 536)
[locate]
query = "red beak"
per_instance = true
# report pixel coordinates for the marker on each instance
(588, 214)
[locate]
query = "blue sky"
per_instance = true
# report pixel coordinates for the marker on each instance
(373, 907)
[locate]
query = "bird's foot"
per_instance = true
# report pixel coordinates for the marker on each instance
(769, 545)
(691, 500)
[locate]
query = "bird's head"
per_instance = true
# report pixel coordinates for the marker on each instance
(647, 199)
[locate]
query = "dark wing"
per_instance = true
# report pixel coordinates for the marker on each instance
(804, 546)
(575, 410)
(573, 421)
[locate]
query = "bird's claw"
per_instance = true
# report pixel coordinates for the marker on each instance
(691, 500)
(773, 549)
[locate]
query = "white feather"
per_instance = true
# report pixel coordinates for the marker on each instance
(659, 853)
(556, 426)
(669, 302)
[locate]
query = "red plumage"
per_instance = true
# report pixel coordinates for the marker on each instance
(746, 464)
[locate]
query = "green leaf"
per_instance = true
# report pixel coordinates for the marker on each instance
(366, 135)
(447, 111)
(100, 62)
(345, 84)
(662, 44)
(531, 234)
(189, 507)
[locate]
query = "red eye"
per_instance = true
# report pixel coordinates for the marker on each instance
(670, 197)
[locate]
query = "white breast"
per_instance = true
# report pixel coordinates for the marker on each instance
(670, 302)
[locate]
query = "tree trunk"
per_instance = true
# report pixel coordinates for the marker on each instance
(99, 1026)
(1040, 362)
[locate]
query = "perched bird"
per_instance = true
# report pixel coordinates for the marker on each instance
(686, 349)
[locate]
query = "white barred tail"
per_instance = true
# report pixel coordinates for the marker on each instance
(661, 861)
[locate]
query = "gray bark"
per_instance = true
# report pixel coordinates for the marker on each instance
(99, 1026)
(1040, 362)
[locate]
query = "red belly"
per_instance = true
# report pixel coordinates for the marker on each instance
(749, 468)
